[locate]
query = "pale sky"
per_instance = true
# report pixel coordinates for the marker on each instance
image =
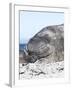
(33, 22)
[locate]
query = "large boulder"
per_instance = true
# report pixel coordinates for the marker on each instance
(48, 42)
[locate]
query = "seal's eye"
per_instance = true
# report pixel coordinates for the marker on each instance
(47, 38)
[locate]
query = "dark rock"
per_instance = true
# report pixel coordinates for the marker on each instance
(21, 73)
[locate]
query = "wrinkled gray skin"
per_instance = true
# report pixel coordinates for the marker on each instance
(48, 42)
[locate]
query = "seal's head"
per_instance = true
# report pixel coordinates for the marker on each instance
(47, 41)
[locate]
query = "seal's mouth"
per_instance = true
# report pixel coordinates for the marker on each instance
(28, 57)
(33, 57)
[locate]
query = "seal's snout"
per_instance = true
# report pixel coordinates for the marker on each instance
(28, 57)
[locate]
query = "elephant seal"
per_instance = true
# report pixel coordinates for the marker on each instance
(48, 41)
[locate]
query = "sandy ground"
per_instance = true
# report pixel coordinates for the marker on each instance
(39, 70)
